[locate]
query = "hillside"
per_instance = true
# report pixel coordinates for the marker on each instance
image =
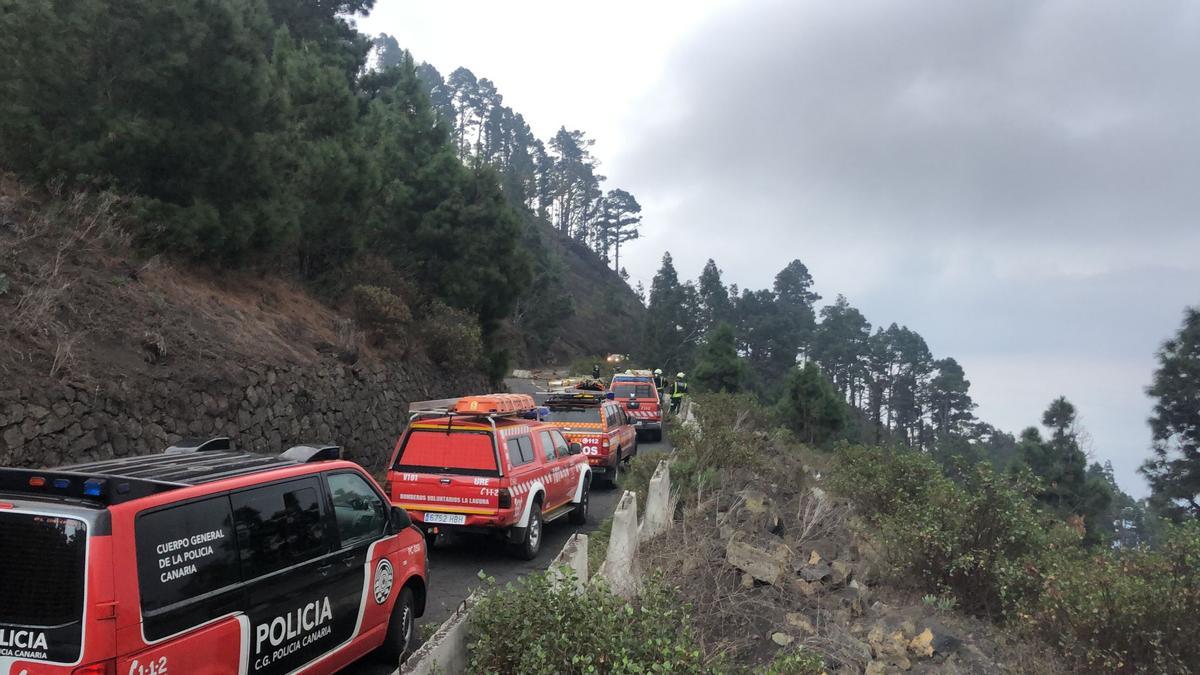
(604, 316)
(106, 352)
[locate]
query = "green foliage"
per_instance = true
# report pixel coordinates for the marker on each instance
(811, 407)
(1061, 465)
(381, 311)
(452, 337)
(1174, 470)
(250, 134)
(1126, 610)
(718, 366)
(972, 540)
(672, 324)
(537, 626)
(800, 662)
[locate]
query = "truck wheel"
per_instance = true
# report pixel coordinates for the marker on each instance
(613, 476)
(401, 632)
(580, 514)
(531, 543)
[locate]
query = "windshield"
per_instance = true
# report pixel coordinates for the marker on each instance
(585, 415)
(42, 563)
(622, 390)
(465, 453)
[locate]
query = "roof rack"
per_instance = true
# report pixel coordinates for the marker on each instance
(311, 453)
(200, 445)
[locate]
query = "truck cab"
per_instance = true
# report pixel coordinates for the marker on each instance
(600, 426)
(488, 465)
(639, 399)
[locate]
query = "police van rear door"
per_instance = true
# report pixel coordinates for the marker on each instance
(43, 573)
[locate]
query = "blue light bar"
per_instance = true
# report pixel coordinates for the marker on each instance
(62, 483)
(93, 488)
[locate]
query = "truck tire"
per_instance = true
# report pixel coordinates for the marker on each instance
(531, 543)
(613, 476)
(579, 515)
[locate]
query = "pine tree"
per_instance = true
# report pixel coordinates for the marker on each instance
(811, 406)
(1174, 470)
(718, 366)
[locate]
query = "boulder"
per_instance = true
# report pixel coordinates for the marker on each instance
(768, 565)
(800, 622)
(921, 646)
(782, 639)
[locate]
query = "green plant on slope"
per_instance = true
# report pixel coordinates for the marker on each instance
(539, 627)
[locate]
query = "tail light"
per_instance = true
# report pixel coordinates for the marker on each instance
(505, 498)
(101, 668)
(387, 487)
(604, 443)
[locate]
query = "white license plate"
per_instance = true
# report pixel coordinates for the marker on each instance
(446, 518)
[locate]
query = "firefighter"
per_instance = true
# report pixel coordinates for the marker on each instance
(660, 383)
(678, 391)
(595, 371)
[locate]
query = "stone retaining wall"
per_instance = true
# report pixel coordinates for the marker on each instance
(267, 409)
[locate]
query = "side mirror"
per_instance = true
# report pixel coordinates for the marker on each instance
(574, 449)
(400, 520)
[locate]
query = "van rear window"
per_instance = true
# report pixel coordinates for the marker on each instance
(586, 415)
(638, 390)
(464, 453)
(43, 568)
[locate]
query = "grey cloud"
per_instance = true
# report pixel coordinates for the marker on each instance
(1015, 180)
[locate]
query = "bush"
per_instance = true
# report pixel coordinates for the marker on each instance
(977, 541)
(539, 627)
(380, 311)
(1124, 611)
(452, 336)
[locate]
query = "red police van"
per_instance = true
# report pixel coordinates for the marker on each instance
(204, 561)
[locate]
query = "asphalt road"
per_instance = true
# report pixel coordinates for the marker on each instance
(455, 563)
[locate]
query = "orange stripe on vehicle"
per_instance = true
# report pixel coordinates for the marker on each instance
(443, 509)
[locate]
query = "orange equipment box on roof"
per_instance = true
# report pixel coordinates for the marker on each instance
(494, 404)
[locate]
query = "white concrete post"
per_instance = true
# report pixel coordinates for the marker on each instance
(658, 502)
(620, 567)
(572, 557)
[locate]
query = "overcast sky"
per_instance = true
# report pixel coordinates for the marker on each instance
(1016, 181)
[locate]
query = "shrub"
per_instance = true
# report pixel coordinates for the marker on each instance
(452, 336)
(976, 541)
(380, 311)
(1123, 611)
(799, 662)
(537, 627)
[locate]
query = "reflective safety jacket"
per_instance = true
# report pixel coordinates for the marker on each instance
(679, 389)
(659, 383)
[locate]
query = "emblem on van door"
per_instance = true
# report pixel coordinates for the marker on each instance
(383, 581)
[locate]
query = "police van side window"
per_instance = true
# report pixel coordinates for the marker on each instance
(185, 551)
(359, 511)
(279, 526)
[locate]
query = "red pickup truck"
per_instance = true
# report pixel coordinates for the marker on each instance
(598, 424)
(488, 464)
(639, 399)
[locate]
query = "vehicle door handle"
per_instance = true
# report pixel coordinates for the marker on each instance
(325, 569)
(444, 481)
